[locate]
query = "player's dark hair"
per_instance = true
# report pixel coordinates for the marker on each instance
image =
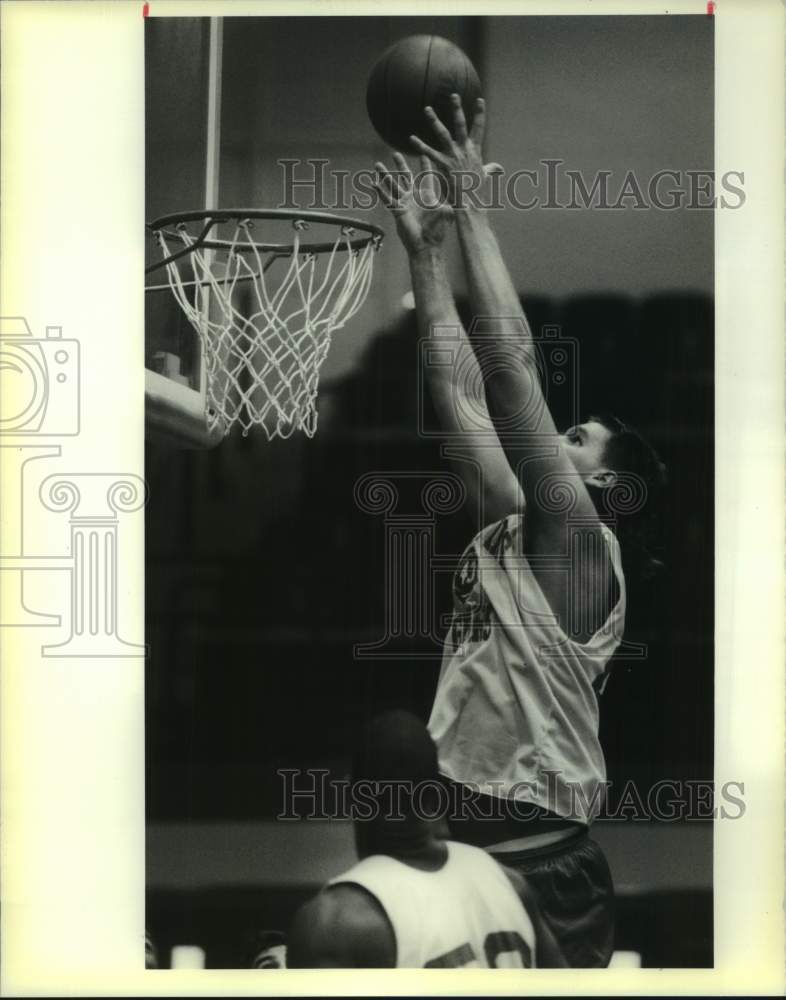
(260, 942)
(394, 754)
(637, 530)
(395, 746)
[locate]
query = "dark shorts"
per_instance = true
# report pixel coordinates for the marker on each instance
(573, 881)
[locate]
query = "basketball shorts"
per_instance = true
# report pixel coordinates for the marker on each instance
(573, 881)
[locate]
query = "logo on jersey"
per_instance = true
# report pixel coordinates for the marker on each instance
(471, 612)
(472, 615)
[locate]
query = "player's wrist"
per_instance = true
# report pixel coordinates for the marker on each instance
(426, 253)
(471, 215)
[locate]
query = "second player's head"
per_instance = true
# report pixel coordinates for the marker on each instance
(395, 778)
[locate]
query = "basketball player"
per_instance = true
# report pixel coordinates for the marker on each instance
(415, 899)
(269, 951)
(539, 597)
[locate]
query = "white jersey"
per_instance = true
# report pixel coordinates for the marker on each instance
(465, 914)
(515, 713)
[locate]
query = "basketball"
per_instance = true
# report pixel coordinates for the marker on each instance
(418, 71)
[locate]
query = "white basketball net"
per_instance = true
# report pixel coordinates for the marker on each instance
(264, 346)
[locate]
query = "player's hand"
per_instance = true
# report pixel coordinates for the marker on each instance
(421, 213)
(457, 154)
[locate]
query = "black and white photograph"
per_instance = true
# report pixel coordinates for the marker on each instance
(436, 655)
(441, 513)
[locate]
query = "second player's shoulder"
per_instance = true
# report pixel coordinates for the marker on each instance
(343, 926)
(481, 864)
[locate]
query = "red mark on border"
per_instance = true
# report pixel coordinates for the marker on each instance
(145, 9)
(710, 8)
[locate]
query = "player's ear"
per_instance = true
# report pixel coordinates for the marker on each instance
(602, 478)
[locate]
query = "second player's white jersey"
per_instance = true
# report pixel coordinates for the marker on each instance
(516, 713)
(465, 914)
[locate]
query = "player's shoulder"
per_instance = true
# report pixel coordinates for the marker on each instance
(343, 926)
(468, 853)
(485, 867)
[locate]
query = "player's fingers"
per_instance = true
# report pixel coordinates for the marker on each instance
(402, 164)
(427, 151)
(388, 181)
(459, 121)
(383, 175)
(385, 196)
(426, 187)
(424, 182)
(493, 168)
(478, 123)
(384, 186)
(404, 170)
(439, 129)
(427, 184)
(432, 183)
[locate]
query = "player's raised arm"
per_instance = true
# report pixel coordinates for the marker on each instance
(506, 353)
(422, 222)
(458, 159)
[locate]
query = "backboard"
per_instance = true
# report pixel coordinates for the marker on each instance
(182, 150)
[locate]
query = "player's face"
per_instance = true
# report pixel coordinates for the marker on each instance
(274, 957)
(585, 445)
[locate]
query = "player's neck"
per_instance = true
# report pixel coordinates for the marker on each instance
(421, 848)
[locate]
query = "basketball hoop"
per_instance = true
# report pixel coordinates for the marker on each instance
(264, 340)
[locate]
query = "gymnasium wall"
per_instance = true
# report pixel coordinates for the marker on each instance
(599, 94)
(603, 94)
(212, 885)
